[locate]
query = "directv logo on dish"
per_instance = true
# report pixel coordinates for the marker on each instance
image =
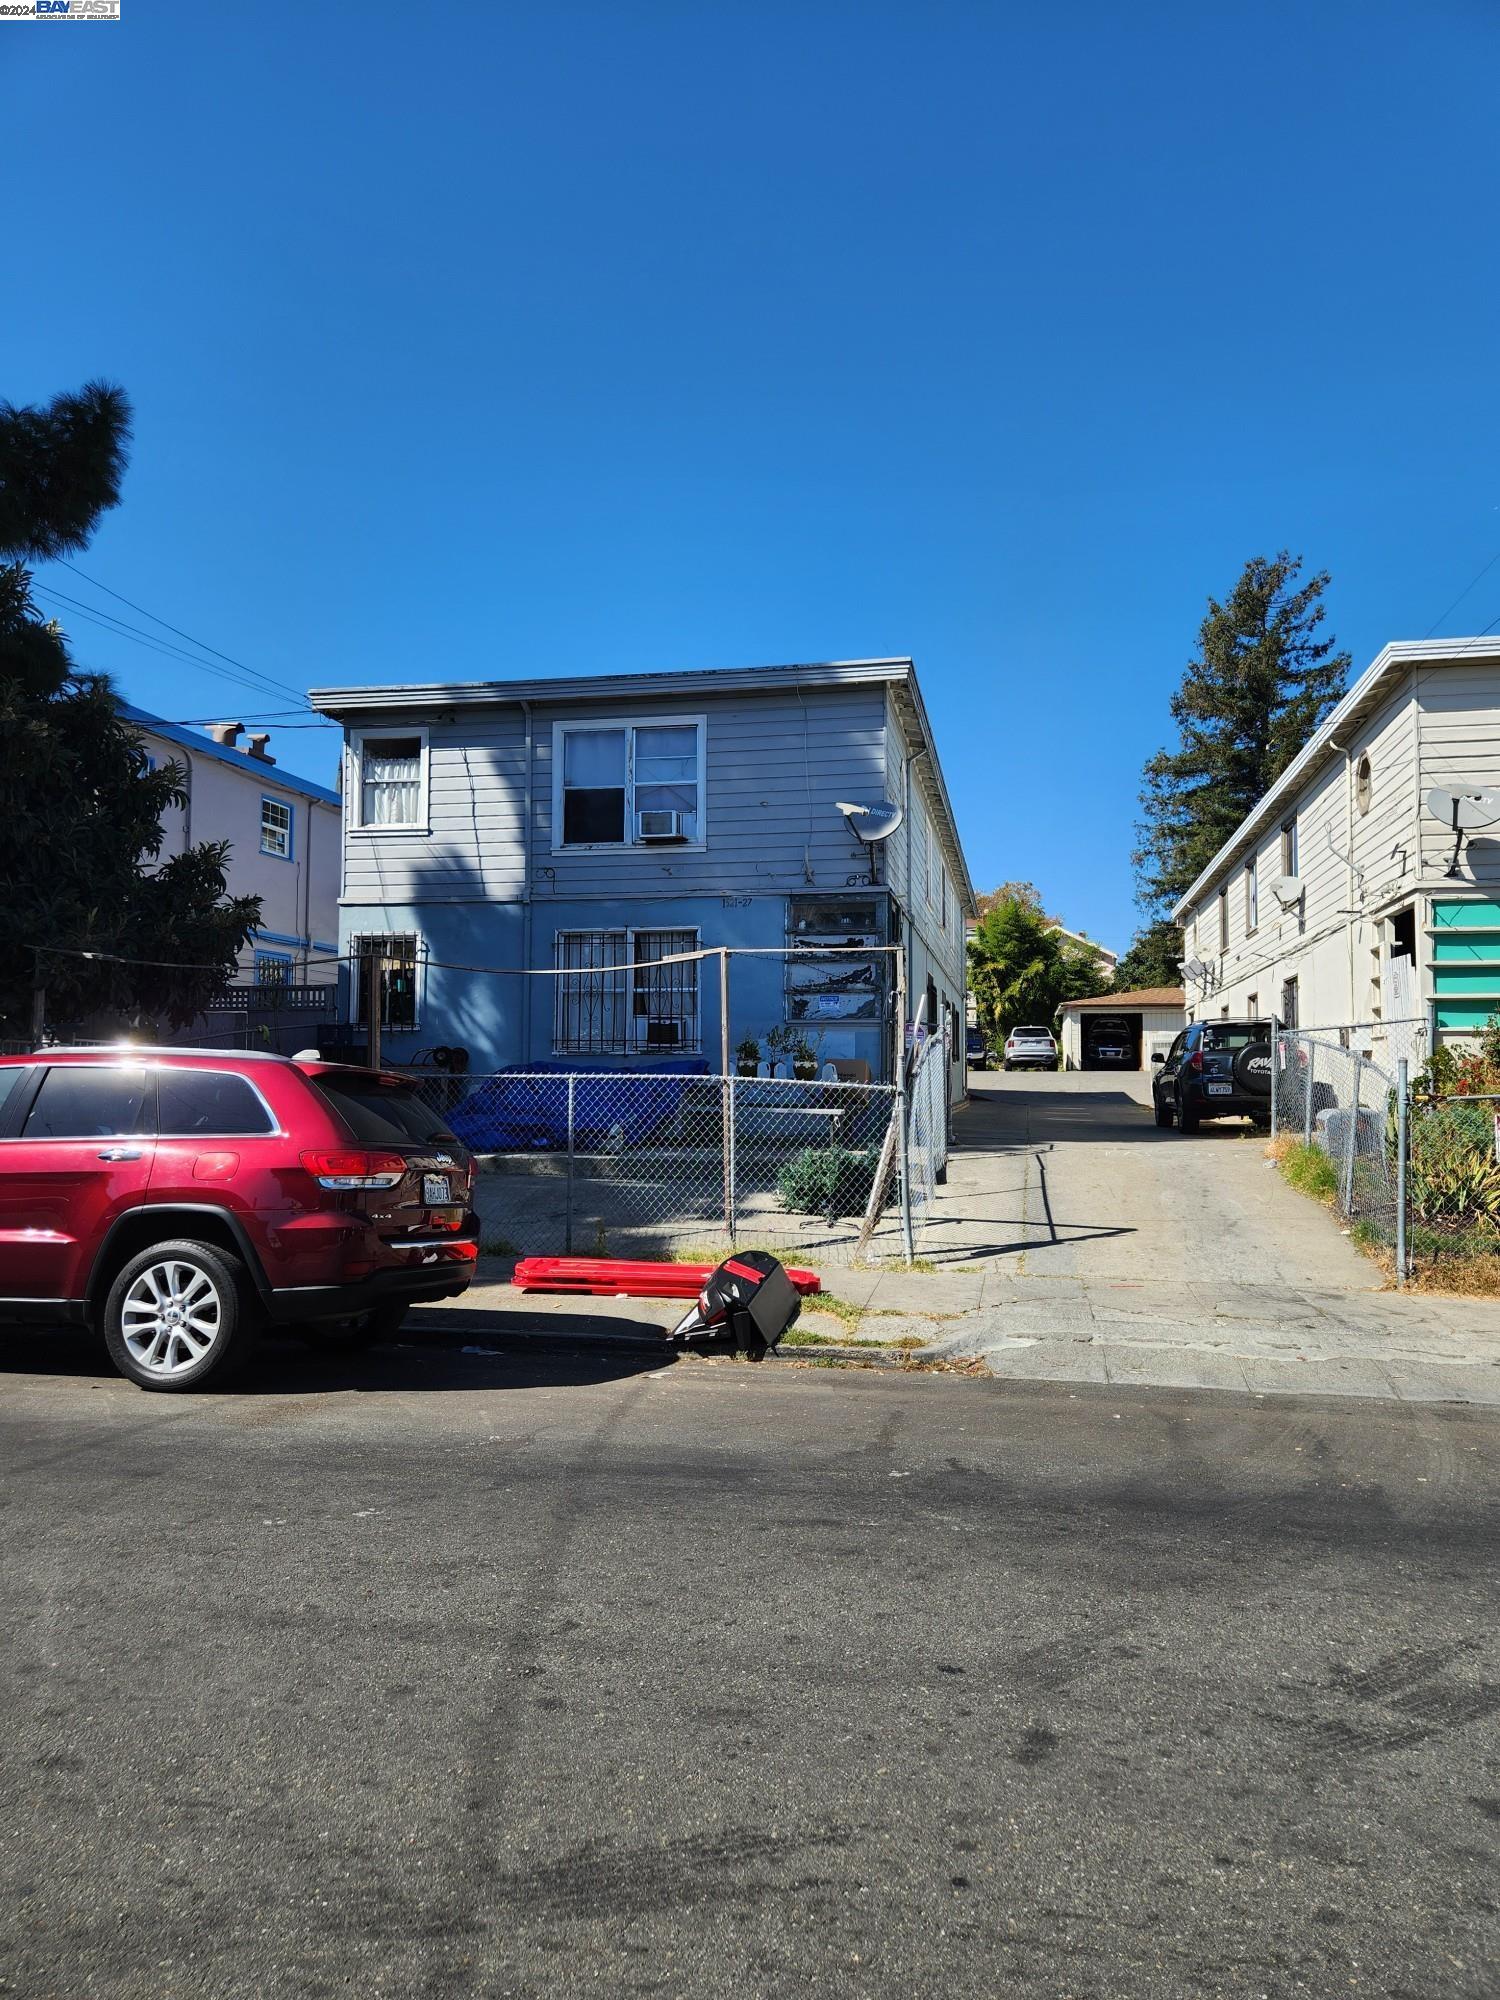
(59, 10)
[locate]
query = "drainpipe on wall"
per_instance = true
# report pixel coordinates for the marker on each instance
(1350, 918)
(526, 894)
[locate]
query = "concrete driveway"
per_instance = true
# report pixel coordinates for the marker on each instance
(1069, 1176)
(1098, 1247)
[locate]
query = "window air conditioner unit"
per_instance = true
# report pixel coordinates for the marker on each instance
(665, 824)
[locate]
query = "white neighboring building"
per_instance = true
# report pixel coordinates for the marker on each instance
(1338, 900)
(1108, 960)
(284, 834)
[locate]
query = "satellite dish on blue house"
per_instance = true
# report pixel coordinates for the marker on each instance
(872, 823)
(1463, 813)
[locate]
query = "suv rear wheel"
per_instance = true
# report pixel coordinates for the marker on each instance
(178, 1313)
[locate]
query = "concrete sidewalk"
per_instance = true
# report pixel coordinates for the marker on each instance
(1076, 1242)
(1263, 1338)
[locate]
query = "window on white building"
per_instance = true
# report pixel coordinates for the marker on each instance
(276, 828)
(619, 784)
(1252, 896)
(1289, 847)
(617, 996)
(1223, 920)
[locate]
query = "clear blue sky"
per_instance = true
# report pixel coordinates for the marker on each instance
(482, 340)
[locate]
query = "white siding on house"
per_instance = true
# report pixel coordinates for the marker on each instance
(1436, 724)
(1460, 731)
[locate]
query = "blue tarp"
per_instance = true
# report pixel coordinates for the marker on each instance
(525, 1107)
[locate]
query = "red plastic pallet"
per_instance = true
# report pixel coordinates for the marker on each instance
(606, 1277)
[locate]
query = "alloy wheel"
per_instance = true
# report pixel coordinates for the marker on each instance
(171, 1317)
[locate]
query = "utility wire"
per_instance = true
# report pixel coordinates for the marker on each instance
(107, 622)
(1495, 558)
(270, 679)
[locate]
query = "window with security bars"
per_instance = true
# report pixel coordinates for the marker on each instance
(616, 996)
(397, 955)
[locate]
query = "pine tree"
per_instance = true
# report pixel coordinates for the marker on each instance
(80, 807)
(1263, 679)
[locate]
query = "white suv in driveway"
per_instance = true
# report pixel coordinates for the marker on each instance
(1030, 1048)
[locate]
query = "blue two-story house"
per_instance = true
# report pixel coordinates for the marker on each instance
(587, 827)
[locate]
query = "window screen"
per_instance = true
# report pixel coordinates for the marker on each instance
(208, 1101)
(86, 1102)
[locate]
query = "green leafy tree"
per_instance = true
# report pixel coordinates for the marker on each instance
(1263, 679)
(1018, 967)
(80, 807)
(1154, 958)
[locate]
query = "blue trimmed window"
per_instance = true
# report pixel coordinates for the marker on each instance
(276, 828)
(273, 968)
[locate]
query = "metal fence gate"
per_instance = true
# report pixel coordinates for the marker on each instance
(652, 1165)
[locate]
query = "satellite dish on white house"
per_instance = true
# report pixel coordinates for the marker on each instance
(872, 823)
(1463, 813)
(1287, 889)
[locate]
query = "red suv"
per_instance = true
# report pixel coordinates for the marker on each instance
(179, 1198)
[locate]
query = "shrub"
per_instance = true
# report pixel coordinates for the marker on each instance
(1453, 1178)
(827, 1180)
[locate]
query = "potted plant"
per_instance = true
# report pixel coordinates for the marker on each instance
(747, 1057)
(792, 1046)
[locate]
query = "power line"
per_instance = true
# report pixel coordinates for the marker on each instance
(1495, 558)
(121, 629)
(297, 693)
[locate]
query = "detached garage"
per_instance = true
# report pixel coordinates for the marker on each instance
(1120, 1030)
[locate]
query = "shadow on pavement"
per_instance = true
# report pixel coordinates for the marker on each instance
(285, 1366)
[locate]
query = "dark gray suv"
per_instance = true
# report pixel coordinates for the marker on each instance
(1215, 1069)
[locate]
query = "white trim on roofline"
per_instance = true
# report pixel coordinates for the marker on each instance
(1390, 661)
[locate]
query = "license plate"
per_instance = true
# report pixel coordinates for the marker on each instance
(1221, 1090)
(435, 1190)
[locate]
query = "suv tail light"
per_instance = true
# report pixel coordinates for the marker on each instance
(1195, 1060)
(355, 1170)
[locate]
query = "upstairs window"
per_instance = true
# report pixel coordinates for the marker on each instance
(392, 781)
(276, 828)
(1252, 896)
(624, 784)
(1223, 920)
(1289, 847)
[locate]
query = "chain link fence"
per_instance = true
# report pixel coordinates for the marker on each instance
(624, 1164)
(1412, 1166)
(1332, 1097)
(1453, 1175)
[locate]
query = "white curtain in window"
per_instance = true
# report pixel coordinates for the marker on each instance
(392, 783)
(594, 759)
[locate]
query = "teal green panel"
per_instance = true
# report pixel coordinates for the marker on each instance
(1447, 915)
(1467, 982)
(1476, 948)
(1461, 1018)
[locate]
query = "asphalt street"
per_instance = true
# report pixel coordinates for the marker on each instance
(433, 1674)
